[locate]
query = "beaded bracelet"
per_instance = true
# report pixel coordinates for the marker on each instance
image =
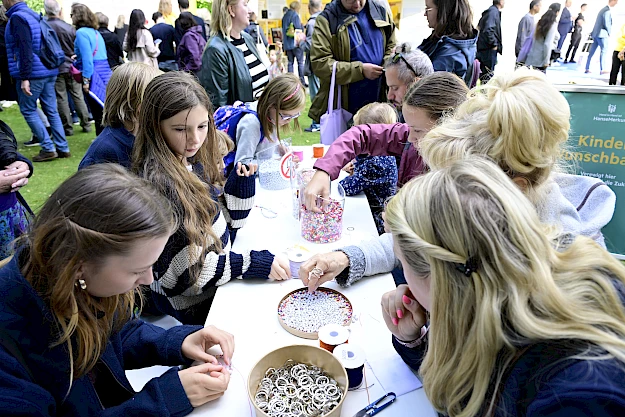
(417, 342)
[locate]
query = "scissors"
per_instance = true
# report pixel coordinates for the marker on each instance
(377, 406)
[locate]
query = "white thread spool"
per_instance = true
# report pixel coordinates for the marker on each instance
(331, 335)
(296, 259)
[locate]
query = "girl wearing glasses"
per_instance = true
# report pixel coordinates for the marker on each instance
(176, 149)
(256, 126)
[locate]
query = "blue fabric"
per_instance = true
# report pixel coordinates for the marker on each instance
(598, 43)
(366, 44)
(99, 80)
(376, 176)
(603, 24)
(113, 145)
(289, 17)
(23, 38)
(42, 89)
(27, 317)
(450, 55)
(84, 46)
(226, 119)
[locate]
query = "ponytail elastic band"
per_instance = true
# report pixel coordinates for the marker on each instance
(293, 93)
(468, 268)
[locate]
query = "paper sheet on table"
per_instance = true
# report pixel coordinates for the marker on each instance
(393, 373)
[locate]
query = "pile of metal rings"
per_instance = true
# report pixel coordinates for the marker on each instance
(297, 390)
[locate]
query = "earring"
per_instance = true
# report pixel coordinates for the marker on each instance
(82, 283)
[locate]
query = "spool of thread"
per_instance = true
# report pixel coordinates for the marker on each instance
(296, 259)
(299, 155)
(353, 360)
(332, 335)
(318, 151)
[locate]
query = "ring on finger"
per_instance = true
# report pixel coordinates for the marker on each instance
(317, 271)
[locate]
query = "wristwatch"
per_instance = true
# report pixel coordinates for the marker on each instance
(417, 342)
(86, 81)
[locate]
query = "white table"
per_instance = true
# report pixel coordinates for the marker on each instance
(248, 310)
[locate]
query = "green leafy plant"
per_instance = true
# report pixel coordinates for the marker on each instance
(36, 5)
(201, 4)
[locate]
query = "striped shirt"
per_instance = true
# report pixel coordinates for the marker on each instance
(258, 71)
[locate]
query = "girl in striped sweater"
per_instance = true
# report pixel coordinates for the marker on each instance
(176, 149)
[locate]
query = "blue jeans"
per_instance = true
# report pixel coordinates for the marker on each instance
(598, 43)
(42, 89)
(298, 54)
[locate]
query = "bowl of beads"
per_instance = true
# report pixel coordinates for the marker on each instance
(302, 313)
(298, 380)
(273, 166)
(325, 226)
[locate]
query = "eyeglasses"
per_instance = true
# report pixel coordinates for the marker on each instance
(399, 56)
(286, 117)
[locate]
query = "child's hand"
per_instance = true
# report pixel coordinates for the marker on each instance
(246, 170)
(280, 270)
(349, 168)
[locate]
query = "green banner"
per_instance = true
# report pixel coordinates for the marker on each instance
(597, 149)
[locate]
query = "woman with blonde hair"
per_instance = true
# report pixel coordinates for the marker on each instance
(67, 308)
(124, 95)
(497, 320)
(166, 9)
(522, 122)
(232, 69)
(121, 28)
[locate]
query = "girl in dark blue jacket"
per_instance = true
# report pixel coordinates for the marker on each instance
(498, 319)
(67, 297)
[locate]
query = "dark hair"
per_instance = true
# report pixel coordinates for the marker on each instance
(534, 3)
(496, 2)
(546, 22)
(83, 17)
(583, 5)
(186, 21)
(454, 19)
(137, 23)
(438, 94)
(183, 4)
(156, 16)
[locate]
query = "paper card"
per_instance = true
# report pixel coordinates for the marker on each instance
(393, 373)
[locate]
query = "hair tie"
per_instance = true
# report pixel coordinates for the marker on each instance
(468, 268)
(290, 96)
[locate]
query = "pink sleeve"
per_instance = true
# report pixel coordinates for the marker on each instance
(373, 140)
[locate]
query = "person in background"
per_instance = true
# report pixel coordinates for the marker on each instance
(545, 37)
(121, 28)
(231, 66)
(618, 59)
(163, 35)
(600, 36)
(376, 176)
(256, 31)
(576, 39)
(582, 10)
(165, 8)
(114, 51)
(527, 25)
(183, 5)
(8, 91)
(402, 69)
(139, 44)
(451, 46)
(92, 60)
(206, 17)
(65, 82)
(176, 149)
(35, 80)
(291, 31)
(15, 215)
(275, 59)
(489, 41)
(546, 332)
(124, 95)
(359, 53)
(565, 25)
(192, 44)
(314, 8)
(68, 312)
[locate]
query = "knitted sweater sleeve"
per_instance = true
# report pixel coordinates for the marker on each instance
(372, 257)
(237, 201)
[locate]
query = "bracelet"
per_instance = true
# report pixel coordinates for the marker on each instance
(417, 342)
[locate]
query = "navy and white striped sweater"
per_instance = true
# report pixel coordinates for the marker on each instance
(173, 291)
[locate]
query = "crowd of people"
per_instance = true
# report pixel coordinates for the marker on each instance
(503, 279)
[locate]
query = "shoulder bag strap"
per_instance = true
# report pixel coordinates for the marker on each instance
(331, 96)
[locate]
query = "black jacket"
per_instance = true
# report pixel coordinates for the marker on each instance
(114, 51)
(490, 30)
(67, 35)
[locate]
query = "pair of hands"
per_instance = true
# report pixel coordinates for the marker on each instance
(372, 71)
(14, 176)
(206, 382)
(403, 314)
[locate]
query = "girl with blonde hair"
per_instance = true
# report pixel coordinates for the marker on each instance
(67, 304)
(166, 9)
(176, 150)
(497, 320)
(255, 127)
(124, 95)
(522, 122)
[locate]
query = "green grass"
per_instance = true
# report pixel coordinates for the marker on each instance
(48, 175)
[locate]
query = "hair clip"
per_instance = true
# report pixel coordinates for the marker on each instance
(290, 96)
(468, 268)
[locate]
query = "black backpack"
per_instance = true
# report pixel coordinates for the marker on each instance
(51, 54)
